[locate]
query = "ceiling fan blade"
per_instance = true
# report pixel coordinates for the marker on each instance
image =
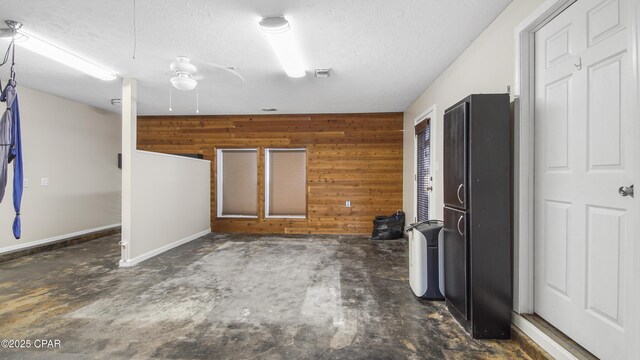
(232, 70)
(236, 73)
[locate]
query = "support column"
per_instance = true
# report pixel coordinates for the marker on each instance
(129, 143)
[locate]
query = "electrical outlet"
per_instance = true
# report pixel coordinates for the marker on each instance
(347, 203)
(44, 181)
(25, 184)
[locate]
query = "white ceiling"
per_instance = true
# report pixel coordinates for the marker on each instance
(383, 53)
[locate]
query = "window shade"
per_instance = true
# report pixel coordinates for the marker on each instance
(239, 182)
(287, 183)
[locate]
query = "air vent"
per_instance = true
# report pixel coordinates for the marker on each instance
(323, 73)
(269, 109)
(116, 102)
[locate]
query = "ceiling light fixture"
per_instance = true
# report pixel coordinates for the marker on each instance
(187, 76)
(280, 37)
(183, 82)
(53, 52)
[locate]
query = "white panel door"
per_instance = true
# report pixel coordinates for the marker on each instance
(583, 154)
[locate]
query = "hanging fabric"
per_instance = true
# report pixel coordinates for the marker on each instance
(11, 149)
(5, 147)
(10, 96)
(16, 157)
(5, 131)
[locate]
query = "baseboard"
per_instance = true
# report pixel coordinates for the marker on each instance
(60, 238)
(138, 259)
(543, 340)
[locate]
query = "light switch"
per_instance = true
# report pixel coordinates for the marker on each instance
(347, 203)
(44, 181)
(25, 183)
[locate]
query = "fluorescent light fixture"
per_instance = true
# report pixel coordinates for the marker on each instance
(279, 35)
(41, 47)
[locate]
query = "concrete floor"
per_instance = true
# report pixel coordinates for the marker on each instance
(228, 296)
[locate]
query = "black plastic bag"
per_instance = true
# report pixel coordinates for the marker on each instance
(388, 227)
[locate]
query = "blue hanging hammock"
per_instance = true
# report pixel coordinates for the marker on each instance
(10, 96)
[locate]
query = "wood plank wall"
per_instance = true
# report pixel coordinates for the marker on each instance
(356, 157)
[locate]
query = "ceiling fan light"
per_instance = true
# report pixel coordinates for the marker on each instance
(183, 82)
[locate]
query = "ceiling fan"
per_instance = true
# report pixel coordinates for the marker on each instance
(186, 74)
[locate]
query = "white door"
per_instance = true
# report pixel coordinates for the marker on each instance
(583, 154)
(423, 180)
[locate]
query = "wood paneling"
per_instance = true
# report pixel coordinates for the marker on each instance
(355, 157)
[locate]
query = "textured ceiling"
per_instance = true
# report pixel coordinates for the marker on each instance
(383, 53)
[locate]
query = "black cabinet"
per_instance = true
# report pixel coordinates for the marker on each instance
(455, 261)
(477, 214)
(455, 164)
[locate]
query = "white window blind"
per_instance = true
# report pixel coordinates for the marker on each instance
(423, 134)
(237, 183)
(286, 188)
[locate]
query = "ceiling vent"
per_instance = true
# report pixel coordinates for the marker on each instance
(323, 73)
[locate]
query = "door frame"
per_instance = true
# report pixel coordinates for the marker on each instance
(430, 115)
(524, 155)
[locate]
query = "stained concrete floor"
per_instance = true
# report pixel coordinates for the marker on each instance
(229, 296)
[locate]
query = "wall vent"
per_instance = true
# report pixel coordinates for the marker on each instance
(323, 73)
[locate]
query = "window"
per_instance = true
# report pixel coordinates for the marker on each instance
(423, 169)
(237, 183)
(285, 183)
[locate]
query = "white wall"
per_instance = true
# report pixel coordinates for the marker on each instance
(165, 198)
(76, 147)
(170, 202)
(486, 66)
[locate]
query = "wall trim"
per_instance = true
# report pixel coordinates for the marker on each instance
(523, 151)
(543, 340)
(634, 311)
(54, 239)
(138, 259)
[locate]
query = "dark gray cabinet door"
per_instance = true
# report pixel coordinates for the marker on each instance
(455, 152)
(456, 286)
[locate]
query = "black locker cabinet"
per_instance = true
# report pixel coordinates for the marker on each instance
(477, 215)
